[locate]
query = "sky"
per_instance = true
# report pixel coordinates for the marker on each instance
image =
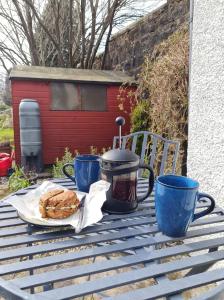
(145, 6)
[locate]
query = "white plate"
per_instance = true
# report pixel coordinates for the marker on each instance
(51, 222)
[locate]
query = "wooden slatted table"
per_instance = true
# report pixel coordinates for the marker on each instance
(122, 257)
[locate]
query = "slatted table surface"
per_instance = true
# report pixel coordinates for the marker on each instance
(122, 257)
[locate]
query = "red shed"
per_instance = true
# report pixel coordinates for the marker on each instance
(77, 107)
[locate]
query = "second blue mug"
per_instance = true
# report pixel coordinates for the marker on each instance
(87, 171)
(175, 201)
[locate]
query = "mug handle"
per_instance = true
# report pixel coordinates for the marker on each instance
(151, 182)
(66, 173)
(206, 211)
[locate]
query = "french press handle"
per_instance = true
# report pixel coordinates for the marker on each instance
(151, 182)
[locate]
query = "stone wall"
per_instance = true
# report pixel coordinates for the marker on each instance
(206, 104)
(128, 48)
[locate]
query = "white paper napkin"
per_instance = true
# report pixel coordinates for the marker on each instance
(28, 206)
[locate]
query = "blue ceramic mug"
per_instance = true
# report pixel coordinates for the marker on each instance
(87, 171)
(175, 201)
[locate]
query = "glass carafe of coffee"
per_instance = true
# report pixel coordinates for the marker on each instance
(120, 168)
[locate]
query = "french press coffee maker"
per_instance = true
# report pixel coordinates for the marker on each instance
(119, 167)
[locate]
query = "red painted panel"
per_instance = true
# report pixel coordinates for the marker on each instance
(77, 130)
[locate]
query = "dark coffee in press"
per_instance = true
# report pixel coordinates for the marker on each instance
(124, 187)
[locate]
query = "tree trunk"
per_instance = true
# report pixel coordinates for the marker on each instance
(70, 32)
(106, 47)
(83, 32)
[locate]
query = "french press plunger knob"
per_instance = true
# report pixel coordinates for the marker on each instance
(120, 121)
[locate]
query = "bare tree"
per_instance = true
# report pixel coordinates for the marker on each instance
(13, 44)
(57, 32)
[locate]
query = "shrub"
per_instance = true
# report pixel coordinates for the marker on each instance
(18, 180)
(140, 116)
(3, 106)
(163, 85)
(140, 121)
(6, 134)
(57, 167)
(94, 150)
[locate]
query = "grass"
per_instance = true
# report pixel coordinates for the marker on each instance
(6, 134)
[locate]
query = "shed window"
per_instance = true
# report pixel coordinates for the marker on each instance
(84, 97)
(65, 96)
(93, 97)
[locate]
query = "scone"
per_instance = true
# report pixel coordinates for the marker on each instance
(58, 204)
(43, 201)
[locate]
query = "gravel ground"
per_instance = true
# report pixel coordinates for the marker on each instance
(3, 187)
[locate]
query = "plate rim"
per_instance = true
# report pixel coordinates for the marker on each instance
(27, 220)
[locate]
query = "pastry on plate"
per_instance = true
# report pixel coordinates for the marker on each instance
(58, 204)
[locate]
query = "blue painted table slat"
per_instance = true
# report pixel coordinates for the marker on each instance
(122, 257)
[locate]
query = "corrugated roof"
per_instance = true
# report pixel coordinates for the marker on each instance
(65, 74)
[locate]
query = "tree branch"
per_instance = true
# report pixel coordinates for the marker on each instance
(115, 6)
(60, 56)
(83, 31)
(93, 31)
(70, 43)
(4, 65)
(34, 57)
